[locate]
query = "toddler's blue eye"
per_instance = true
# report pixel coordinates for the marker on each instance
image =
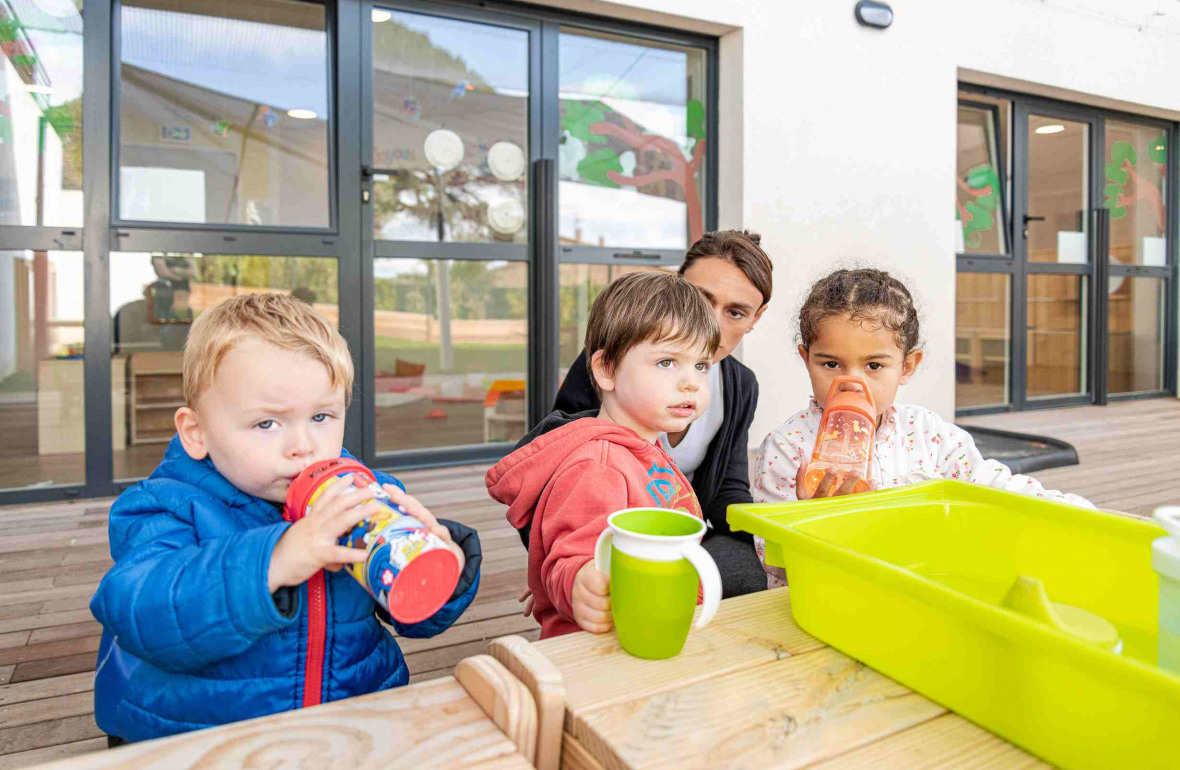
(319, 417)
(265, 424)
(703, 366)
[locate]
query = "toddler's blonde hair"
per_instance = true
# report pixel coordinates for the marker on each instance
(279, 319)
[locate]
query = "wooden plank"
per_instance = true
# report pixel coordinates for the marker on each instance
(575, 756)
(51, 733)
(747, 631)
(14, 639)
(45, 709)
(434, 724)
(42, 669)
(48, 650)
(82, 600)
(49, 594)
(19, 610)
(52, 753)
(946, 742)
(45, 620)
(786, 714)
(484, 630)
(46, 688)
(68, 631)
(6, 674)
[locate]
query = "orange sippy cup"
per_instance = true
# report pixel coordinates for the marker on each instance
(845, 441)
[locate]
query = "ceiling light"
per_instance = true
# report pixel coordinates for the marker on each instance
(37, 88)
(1056, 128)
(380, 15)
(301, 114)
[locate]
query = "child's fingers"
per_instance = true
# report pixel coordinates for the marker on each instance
(596, 582)
(417, 510)
(345, 498)
(342, 554)
(800, 483)
(597, 625)
(343, 522)
(825, 485)
(849, 484)
(596, 602)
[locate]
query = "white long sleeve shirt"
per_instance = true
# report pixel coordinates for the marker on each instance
(913, 444)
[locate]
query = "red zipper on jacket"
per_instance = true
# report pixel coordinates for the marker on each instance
(317, 612)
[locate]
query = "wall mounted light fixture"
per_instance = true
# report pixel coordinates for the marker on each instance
(872, 13)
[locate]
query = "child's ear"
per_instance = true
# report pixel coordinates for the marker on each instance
(910, 366)
(192, 435)
(601, 374)
(803, 354)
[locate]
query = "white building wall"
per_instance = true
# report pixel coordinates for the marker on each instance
(845, 138)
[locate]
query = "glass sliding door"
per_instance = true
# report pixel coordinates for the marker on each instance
(452, 125)
(1085, 263)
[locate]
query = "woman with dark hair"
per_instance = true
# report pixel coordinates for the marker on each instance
(734, 273)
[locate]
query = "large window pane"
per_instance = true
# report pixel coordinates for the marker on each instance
(633, 143)
(452, 347)
(450, 111)
(1057, 190)
(982, 350)
(1057, 323)
(42, 404)
(1136, 334)
(580, 286)
(41, 113)
(1136, 193)
(223, 113)
(979, 209)
(154, 300)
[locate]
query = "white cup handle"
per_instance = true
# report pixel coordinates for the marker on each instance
(710, 580)
(1168, 517)
(602, 553)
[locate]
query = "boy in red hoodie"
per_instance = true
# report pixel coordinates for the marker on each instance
(650, 341)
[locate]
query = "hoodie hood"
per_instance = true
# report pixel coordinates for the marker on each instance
(519, 479)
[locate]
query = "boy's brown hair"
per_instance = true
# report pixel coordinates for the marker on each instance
(279, 319)
(656, 306)
(740, 248)
(867, 296)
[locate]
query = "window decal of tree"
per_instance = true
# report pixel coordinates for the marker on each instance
(983, 185)
(1122, 170)
(594, 124)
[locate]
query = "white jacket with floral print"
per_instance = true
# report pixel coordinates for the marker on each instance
(913, 444)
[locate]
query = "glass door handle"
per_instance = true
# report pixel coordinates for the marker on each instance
(1028, 219)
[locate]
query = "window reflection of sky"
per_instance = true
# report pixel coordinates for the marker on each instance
(259, 63)
(497, 54)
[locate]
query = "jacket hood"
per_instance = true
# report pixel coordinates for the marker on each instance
(520, 478)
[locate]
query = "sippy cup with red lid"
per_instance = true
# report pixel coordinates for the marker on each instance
(845, 441)
(408, 570)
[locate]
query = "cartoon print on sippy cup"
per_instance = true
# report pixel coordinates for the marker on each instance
(844, 444)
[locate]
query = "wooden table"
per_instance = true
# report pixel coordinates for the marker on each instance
(427, 725)
(754, 690)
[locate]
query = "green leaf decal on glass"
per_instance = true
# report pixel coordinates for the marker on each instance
(696, 119)
(594, 167)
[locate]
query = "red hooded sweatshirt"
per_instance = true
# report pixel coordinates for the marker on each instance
(564, 484)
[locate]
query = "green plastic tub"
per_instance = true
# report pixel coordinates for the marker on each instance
(912, 581)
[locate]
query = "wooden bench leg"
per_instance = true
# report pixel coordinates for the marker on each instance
(544, 681)
(503, 698)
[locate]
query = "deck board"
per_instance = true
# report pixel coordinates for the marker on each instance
(53, 555)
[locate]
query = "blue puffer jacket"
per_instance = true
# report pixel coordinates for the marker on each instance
(191, 637)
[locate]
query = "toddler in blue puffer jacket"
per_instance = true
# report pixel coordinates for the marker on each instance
(208, 614)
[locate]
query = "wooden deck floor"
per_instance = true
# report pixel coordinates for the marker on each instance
(52, 557)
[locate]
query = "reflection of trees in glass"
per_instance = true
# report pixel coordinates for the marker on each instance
(66, 120)
(659, 166)
(1122, 171)
(279, 273)
(982, 184)
(464, 208)
(478, 291)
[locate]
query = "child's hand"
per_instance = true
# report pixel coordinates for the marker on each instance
(528, 600)
(311, 544)
(591, 600)
(416, 509)
(825, 485)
